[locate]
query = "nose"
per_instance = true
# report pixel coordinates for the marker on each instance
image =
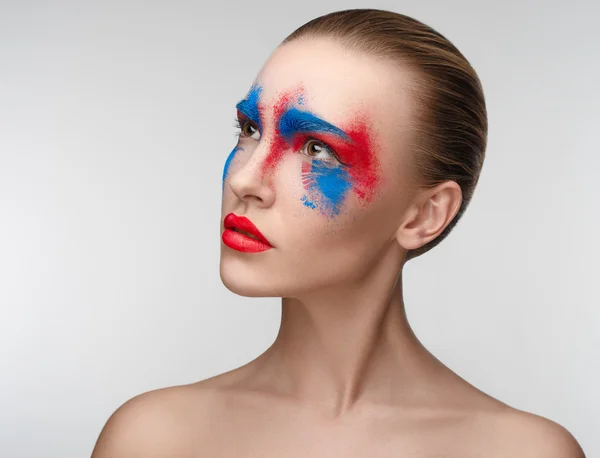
(248, 183)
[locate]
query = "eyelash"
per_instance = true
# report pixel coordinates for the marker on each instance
(240, 123)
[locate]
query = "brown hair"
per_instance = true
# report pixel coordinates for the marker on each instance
(452, 121)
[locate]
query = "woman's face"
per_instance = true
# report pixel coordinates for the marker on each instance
(320, 168)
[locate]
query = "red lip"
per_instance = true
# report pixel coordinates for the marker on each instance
(240, 241)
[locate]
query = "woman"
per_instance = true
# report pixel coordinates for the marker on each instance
(360, 144)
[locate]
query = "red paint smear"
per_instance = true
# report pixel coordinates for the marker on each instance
(306, 179)
(279, 144)
(363, 161)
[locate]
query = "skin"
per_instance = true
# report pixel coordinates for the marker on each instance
(346, 375)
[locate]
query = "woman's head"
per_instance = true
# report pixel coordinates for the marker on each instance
(364, 132)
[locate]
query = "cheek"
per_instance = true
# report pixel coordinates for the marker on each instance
(326, 187)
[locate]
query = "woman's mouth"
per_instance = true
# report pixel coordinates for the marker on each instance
(252, 236)
(242, 235)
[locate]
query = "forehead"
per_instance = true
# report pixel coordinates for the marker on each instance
(338, 84)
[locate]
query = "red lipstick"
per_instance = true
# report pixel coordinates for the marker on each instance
(242, 235)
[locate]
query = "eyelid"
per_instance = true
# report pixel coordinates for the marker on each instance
(331, 150)
(243, 118)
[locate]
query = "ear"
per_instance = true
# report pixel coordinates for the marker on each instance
(432, 210)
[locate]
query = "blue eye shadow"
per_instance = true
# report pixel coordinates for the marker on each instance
(249, 106)
(293, 121)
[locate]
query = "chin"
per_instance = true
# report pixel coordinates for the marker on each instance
(249, 280)
(244, 281)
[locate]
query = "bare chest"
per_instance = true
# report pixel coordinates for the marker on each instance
(297, 437)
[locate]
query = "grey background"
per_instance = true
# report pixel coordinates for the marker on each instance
(115, 122)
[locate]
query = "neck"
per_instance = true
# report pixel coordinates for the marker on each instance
(338, 347)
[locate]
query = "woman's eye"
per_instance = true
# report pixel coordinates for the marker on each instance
(318, 150)
(247, 129)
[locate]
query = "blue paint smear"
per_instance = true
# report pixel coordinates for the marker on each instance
(308, 203)
(331, 184)
(249, 106)
(294, 120)
(227, 162)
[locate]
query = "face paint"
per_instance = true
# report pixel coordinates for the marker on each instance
(227, 162)
(326, 187)
(360, 156)
(249, 106)
(294, 121)
(326, 184)
(279, 143)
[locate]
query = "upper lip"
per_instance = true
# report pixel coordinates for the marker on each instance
(232, 221)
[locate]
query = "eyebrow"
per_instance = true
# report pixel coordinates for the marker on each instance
(294, 120)
(249, 106)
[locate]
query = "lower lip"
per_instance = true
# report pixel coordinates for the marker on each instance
(241, 242)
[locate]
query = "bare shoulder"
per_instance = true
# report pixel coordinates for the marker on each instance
(522, 434)
(157, 423)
